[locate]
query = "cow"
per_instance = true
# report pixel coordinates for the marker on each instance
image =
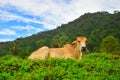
(73, 50)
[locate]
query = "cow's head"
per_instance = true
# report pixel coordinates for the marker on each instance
(82, 41)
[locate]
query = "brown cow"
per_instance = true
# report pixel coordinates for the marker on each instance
(73, 50)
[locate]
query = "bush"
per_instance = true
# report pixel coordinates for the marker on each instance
(110, 45)
(90, 67)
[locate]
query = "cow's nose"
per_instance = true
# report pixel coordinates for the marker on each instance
(83, 48)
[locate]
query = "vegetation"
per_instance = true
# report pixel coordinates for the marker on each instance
(15, 49)
(91, 67)
(40, 43)
(110, 45)
(95, 26)
(59, 41)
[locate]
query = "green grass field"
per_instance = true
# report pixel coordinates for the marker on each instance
(91, 67)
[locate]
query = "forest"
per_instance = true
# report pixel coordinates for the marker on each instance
(102, 30)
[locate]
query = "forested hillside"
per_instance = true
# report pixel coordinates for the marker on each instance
(97, 27)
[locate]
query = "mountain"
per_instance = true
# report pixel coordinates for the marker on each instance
(95, 26)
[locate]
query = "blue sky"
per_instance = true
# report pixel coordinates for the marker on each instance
(21, 18)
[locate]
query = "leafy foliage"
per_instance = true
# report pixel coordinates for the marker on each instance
(110, 45)
(40, 43)
(59, 41)
(15, 49)
(91, 67)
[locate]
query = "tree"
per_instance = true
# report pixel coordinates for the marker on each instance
(59, 41)
(26, 52)
(15, 49)
(40, 43)
(109, 45)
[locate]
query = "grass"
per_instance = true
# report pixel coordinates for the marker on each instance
(91, 67)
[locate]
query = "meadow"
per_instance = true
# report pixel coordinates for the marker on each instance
(95, 66)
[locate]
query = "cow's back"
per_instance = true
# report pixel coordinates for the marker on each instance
(56, 53)
(41, 53)
(65, 52)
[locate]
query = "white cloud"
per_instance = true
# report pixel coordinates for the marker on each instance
(4, 40)
(7, 16)
(110, 5)
(57, 12)
(27, 27)
(7, 32)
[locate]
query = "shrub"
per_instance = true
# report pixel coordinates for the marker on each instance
(90, 67)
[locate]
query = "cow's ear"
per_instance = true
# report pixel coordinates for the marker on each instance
(74, 44)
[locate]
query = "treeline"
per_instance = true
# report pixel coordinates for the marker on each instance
(101, 28)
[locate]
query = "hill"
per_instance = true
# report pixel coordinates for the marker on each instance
(95, 26)
(91, 67)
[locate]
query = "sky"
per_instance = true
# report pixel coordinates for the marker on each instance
(22, 18)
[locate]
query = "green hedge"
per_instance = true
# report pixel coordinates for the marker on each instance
(90, 67)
